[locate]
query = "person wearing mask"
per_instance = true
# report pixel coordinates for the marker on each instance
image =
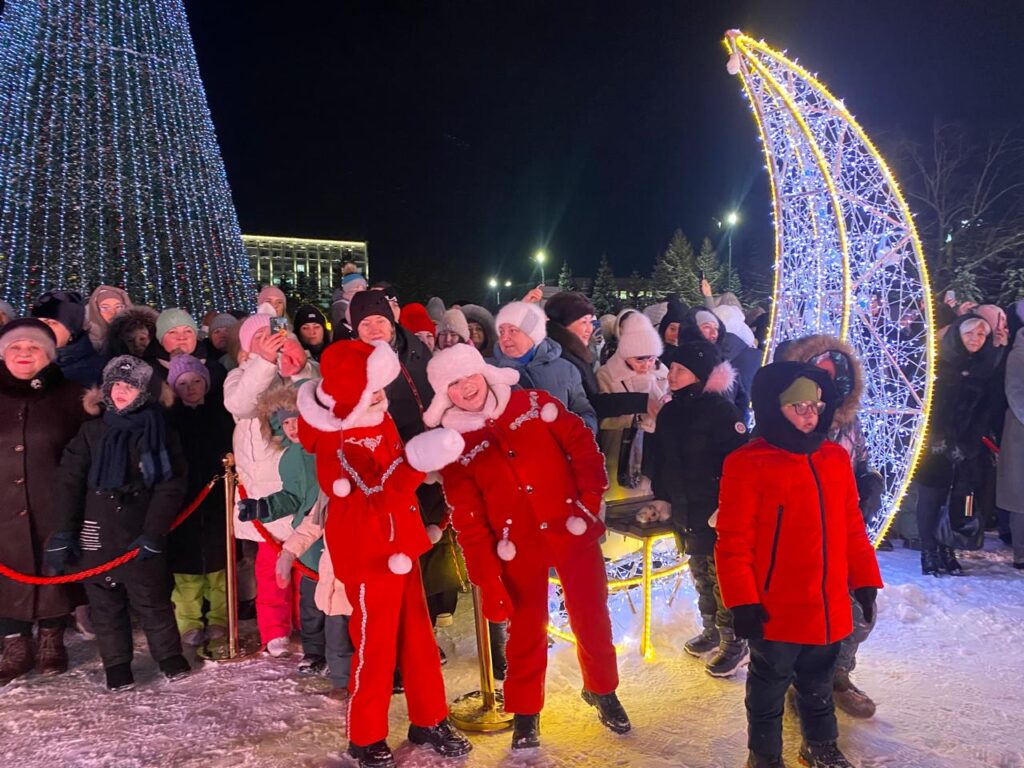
(105, 303)
(311, 328)
(64, 312)
(571, 326)
(523, 344)
(526, 496)
(791, 546)
(40, 412)
(948, 472)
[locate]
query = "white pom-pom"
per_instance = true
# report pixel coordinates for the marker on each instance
(342, 488)
(434, 533)
(399, 563)
(549, 412)
(506, 550)
(577, 525)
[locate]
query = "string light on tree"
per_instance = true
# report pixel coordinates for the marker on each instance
(110, 170)
(848, 261)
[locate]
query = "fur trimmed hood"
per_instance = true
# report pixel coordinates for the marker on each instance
(280, 396)
(803, 350)
(92, 398)
(722, 380)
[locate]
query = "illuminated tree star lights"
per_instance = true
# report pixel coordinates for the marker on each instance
(109, 166)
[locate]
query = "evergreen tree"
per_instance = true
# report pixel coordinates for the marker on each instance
(965, 283)
(675, 269)
(565, 281)
(707, 262)
(603, 296)
(638, 291)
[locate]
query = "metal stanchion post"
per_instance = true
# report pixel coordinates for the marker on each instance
(233, 650)
(481, 710)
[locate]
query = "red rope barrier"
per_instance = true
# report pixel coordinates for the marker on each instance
(276, 545)
(27, 578)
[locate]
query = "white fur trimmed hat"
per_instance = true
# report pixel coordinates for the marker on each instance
(637, 337)
(352, 371)
(455, 363)
(528, 318)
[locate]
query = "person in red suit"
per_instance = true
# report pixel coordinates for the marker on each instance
(526, 497)
(791, 547)
(375, 535)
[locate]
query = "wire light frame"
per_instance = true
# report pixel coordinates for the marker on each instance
(848, 261)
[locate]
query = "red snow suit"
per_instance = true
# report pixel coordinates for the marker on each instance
(532, 476)
(791, 537)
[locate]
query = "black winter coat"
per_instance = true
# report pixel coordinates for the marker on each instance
(574, 352)
(81, 363)
(695, 431)
(36, 422)
(198, 545)
(114, 519)
(959, 413)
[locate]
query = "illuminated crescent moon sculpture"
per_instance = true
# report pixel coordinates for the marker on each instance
(848, 261)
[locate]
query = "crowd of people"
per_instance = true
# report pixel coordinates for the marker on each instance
(396, 453)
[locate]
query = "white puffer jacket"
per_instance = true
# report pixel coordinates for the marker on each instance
(255, 459)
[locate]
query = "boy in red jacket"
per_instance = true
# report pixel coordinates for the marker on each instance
(791, 546)
(526, 497)
(375, 535)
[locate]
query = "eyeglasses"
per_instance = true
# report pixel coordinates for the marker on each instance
(808, 407)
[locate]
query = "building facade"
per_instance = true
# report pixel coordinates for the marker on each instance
(310, 267)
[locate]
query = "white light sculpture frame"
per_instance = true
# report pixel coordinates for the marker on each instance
(848, 261)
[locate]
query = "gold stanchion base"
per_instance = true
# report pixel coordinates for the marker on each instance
(249, 647)
(470, 713)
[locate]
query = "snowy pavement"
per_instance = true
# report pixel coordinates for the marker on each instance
(946, 666)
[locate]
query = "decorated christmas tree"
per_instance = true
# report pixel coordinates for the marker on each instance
(110, 170)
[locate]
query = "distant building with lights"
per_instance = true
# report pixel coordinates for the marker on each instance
(303, 262)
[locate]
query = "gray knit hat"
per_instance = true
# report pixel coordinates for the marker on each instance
(130, 370)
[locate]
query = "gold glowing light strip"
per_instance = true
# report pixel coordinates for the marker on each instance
(819, 158)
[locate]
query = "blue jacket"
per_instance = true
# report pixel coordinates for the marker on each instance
(547, 370)
(80, 362)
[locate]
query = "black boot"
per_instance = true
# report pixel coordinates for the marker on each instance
(445, 739)
(376, 755)
(498, 636)
(175, 667)
(929, 562)
(706, 641)
(525, 731)
(755, 760)
(948, 561)
(733, 653)
(825, 755)
(119, 677)
(398, 685)
(609, 711)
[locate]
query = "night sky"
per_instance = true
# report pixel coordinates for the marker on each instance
(473, 133)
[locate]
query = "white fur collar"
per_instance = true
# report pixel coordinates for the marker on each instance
(464, 421)
(315, 407)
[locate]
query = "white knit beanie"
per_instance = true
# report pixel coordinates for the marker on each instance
(638, 337)
(527, 317)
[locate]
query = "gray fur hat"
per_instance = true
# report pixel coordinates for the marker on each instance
(130, 370)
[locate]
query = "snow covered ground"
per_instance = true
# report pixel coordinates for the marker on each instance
(946, 666)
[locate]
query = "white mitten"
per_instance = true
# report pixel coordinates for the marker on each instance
(283, 569)
(434, 533)
(434, 449)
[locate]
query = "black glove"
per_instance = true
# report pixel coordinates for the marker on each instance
(250, 509)
(148, 546)
(748, 621)
(866, 597)
(61, 549)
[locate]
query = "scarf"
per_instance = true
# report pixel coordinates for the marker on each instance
(109, 471)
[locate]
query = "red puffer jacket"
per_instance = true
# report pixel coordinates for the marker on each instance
(791, 537)
(377, 516)
(534, 471)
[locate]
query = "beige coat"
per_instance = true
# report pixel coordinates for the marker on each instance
(330, 594)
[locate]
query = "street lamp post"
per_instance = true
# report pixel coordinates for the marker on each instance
(540, 257)
(731, 219)
(497, 290)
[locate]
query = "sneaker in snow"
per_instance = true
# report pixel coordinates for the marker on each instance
(279, 646)
(609, 711)
(193, 637)
(823, 756)
(851, 699)
(312, 665)
(703, 643)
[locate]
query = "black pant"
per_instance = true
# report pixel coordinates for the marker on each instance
(19, 627)
(146, 590)
(773, 666)
(931, 506)
(442, 602)
(709, 597)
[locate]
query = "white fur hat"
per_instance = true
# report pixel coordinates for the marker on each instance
(452, 364)
(735, 323)
(528, 318)
(637, 337)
